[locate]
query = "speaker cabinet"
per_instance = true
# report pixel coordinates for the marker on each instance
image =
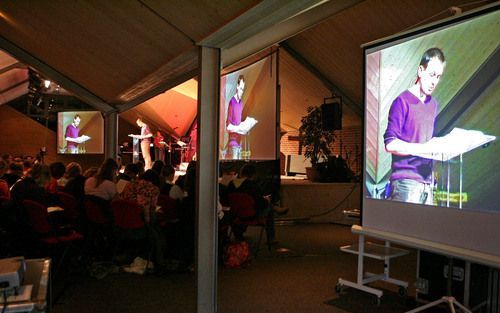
(331, 116)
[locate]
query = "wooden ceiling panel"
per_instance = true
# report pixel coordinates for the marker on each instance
(199, 18)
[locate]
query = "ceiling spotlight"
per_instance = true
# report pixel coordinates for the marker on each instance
(46, 83)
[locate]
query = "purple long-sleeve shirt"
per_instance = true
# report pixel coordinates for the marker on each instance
(412, 121)
(72, 132)
(234, 112)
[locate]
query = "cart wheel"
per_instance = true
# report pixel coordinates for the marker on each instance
(403, 292)
(338, 288)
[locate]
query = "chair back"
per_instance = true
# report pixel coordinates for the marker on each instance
(69, 204)
(127, 214)
(97, 210)
(241, 204)
(37, 216)
(168, 209)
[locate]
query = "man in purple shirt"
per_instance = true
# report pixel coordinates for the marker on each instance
(410, 125)
(72, 134)
(234, 114)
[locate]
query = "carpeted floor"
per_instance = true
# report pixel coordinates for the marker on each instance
(298, 275)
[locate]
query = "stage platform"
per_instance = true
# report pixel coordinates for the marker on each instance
(318, 202)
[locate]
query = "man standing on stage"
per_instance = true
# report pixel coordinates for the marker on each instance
(145, 137)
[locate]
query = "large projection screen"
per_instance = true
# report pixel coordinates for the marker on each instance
(248, 125)
(463, 208)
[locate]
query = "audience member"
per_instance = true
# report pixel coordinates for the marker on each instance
(245, 183)
(7, 158)
(90, 172)
(4, 186)
(157, 166)
(27, 164)
(14, 173)
(102, 184)
(145, 191)
(129, 173)
(57, 170)
(31, 186)
(75, 184)
(187, 214)
(167, 186)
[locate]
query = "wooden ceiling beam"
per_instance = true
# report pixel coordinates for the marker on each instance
(260, 17)
(283, 30)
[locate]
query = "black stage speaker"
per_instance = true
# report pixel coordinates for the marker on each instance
(331, 116)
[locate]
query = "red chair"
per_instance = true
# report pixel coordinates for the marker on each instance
(70, 205)
(168, 213)
(243, 208)
(130, 227)
(43, 231)
(99, 224)
(97, 210)
(127, 214)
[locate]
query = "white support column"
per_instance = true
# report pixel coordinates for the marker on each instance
(111, 135)
(207, 174)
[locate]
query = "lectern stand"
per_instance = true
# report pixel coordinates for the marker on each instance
(136, 149)
(458, 141)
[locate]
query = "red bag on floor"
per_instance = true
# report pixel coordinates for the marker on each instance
(236, 254)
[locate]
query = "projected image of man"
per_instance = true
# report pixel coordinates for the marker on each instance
(410, 125)
(234, 114)
(72, 135)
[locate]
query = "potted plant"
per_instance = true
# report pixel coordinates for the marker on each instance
(315, 140)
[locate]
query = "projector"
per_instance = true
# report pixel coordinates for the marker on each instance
(11, 272)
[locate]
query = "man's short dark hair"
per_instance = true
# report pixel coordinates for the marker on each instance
(167, 170)
(152, 176)
(57, 170)
(430, 54)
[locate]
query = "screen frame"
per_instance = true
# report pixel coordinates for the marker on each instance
(61, 130)
(274, 55)
(473, 230)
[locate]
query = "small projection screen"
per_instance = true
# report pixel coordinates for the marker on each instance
(431, 150)
(80, 132)
(248, 103)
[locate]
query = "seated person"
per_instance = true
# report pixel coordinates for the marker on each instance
(167, 187)
(145, 191)
(13, 174)
(228, 174)
(129, 174)
(57, 180)
(75, 184)
(245, 183)
(31, 186)
(102, 185)
(4, 186)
